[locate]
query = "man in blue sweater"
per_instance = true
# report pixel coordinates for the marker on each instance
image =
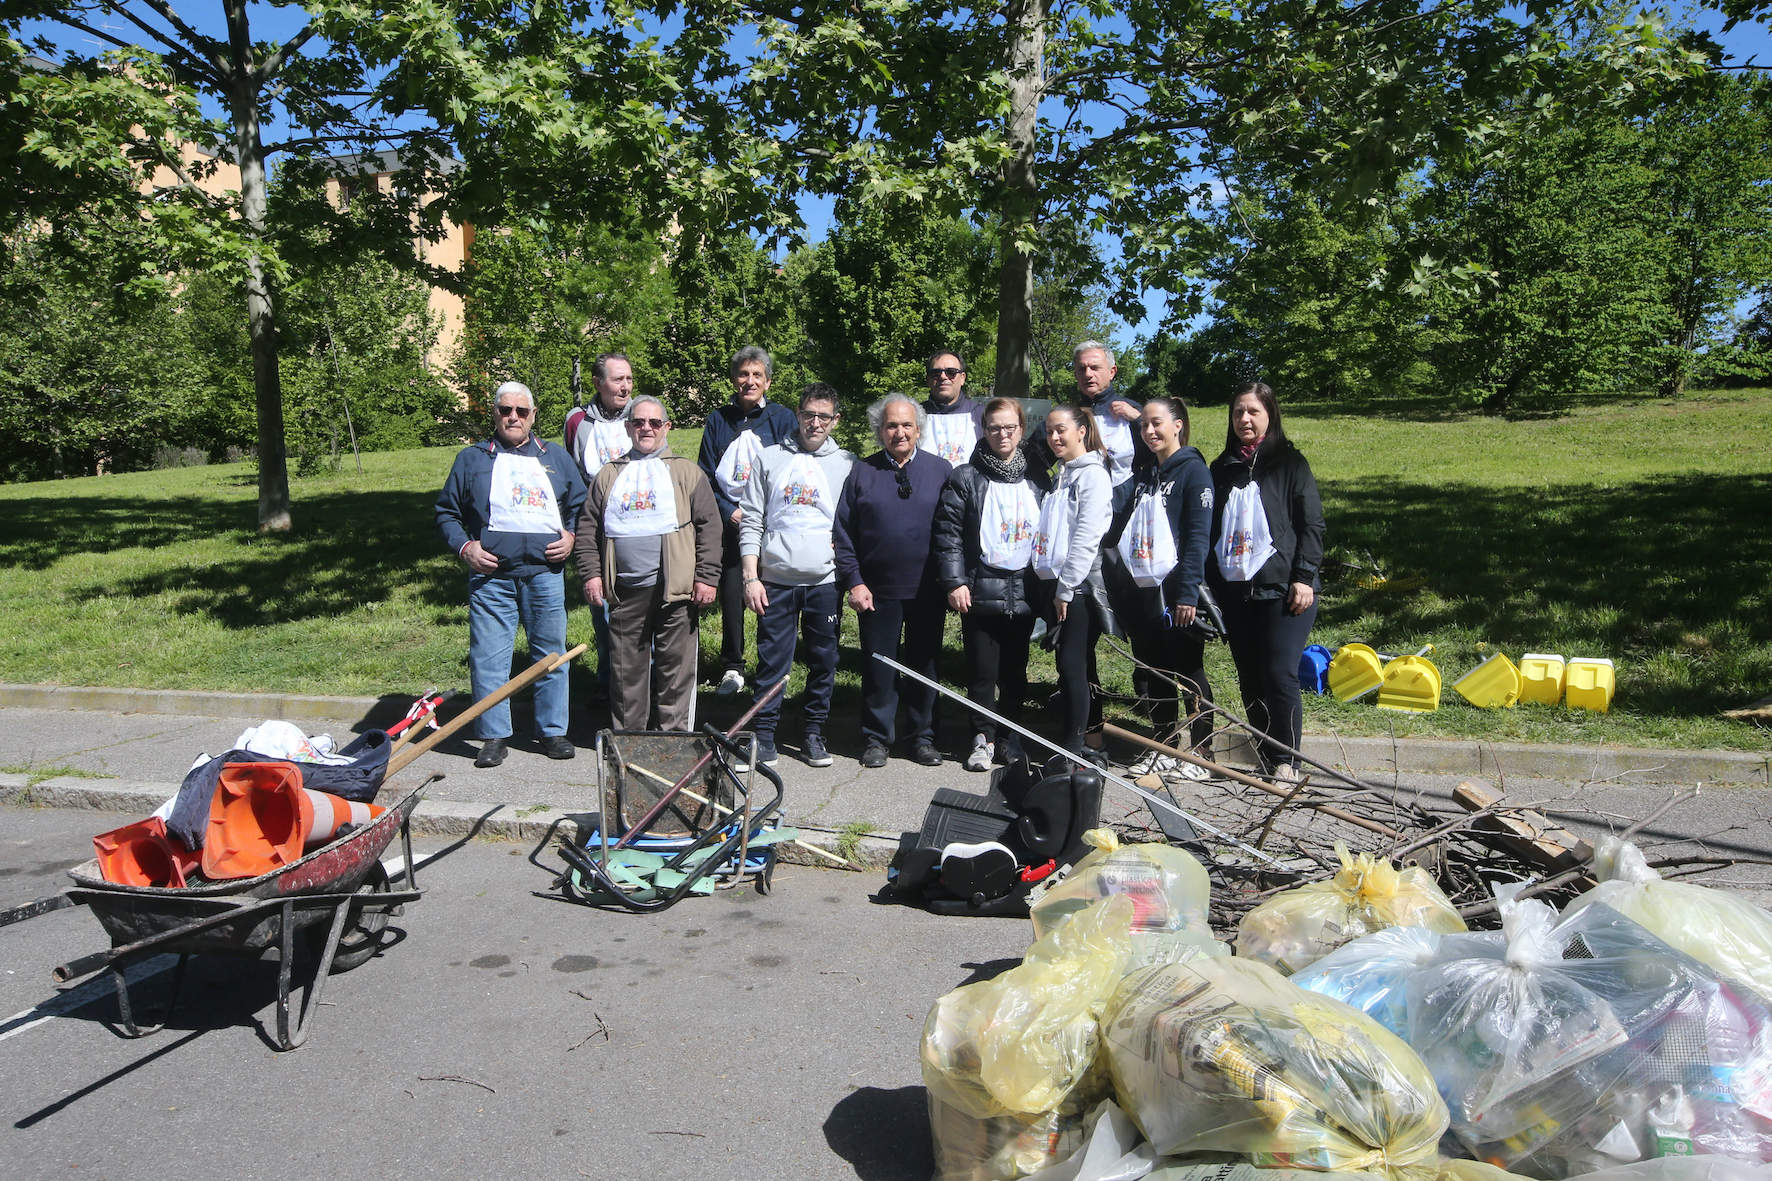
(507, 511)
(884, 520)
(729, 461)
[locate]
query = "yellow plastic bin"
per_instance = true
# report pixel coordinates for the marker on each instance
(1355, 672)
(1493, 684)
(1541, 678)
(1590, 683)
(1411, 683)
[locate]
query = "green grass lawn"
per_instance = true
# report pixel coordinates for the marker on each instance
(1630, 528)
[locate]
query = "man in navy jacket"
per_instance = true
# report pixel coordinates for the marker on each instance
(749, 412)
(507, 511)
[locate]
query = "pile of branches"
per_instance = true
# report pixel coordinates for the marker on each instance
(1259, 834)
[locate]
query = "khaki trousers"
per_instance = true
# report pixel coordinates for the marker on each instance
(653, 646)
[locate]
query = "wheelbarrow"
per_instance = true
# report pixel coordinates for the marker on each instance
(336, 899)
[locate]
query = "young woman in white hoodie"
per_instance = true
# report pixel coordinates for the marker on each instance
(1067, 545)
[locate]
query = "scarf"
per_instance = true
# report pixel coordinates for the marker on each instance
(1248, 451)
(1004, 471)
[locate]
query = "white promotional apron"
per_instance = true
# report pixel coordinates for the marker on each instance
(1116, 436)
(642, 501)
(603, 443)
(951, 436)
(1006, 525)
(522, 498)
(1245, 543)
(739, 463)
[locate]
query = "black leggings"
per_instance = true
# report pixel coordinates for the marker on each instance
(1181, 653)
(1267, 643)
(1079, 708)
(996, 666)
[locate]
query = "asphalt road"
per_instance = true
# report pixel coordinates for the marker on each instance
(505, 1034)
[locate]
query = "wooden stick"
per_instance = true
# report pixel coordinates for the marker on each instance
(534, 672)
(1250, 780)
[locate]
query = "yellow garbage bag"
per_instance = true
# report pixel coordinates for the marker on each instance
(1001, 1147)
(1020, 1044)
(1712, 926)
(1167, 887)
(1227, 1055)
(1297, 927)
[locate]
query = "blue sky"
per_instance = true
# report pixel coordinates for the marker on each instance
(1747, 43)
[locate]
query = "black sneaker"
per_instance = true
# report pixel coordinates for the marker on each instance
(766, 756)
(558, 746)
(874, 754)
(492, 753)
(816, 754)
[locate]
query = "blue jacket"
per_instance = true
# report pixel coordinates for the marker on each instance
(464, 504)
(772, 423)
(1185, 484)
(883, 539)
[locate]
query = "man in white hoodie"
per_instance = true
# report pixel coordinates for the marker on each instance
(786, 549)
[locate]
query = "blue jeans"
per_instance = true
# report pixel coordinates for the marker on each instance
(496, 604)
(815, 609)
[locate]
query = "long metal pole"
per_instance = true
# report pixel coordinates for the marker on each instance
(1149, 797)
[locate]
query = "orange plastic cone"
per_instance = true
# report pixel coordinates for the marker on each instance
(143, 854)
(323, 814)
(254, 820)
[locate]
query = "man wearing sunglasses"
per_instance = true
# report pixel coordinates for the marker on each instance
(884, 521)
(789, 566)
(507, 511)
(649, 549)
(953, 418)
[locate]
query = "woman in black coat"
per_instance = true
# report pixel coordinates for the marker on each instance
(1160, 618)
(985, 572)
(1267, 557)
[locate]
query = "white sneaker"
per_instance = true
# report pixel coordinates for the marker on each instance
(732, 682)
(1195, 772)
(982, 753)
(1286, 773)
(1155, 763)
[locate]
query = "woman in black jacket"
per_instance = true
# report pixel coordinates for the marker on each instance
(1159, 618)
(983, 539)
(1267, 557)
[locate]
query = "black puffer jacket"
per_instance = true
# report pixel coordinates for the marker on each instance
(1294, 518)
(955, 541)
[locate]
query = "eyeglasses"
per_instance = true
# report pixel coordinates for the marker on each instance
(815, 418)
(950, 374)
(1001, 428)
(519, 411)
(649, 424)
(904, 484)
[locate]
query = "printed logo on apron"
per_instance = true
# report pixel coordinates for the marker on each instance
(522, 498)
(1007, 524)
(801, 501)
(951, 436)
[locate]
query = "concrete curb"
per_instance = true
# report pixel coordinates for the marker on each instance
(1446, 756)
(448, 818)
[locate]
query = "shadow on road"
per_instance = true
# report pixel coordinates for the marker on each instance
(884, 1135)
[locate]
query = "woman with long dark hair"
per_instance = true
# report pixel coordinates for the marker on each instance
(1163, 530)
(984, 539)
(1067, 554)
(1267, 557)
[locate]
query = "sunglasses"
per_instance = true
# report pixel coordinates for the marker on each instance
(950, 374)
(519, 411)
(649, 424)
(904, 485)
(815, 418)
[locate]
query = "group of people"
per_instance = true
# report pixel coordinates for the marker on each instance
(1101, 518)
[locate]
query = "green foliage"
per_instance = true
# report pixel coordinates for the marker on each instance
(894, 283)
(541, 298)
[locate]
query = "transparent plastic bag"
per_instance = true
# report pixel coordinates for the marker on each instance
(1023, 1042)
(1683, 1168)
(1372, 973)
(1112, 1150)
(999, 1147)
(1167, 887)
(1712, 926)
(1226, 1055)
(1294, 929)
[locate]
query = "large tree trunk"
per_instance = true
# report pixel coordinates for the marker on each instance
(1021, 198)
(273, 464)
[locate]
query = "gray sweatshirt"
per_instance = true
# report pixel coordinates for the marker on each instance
(800, 558)
(1085, 480)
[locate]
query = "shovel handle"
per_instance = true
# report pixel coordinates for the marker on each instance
(534, 672)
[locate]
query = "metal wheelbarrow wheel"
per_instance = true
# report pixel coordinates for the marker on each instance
(362, 935)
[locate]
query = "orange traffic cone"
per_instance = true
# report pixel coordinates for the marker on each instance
(262, 818)
(142, 854)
